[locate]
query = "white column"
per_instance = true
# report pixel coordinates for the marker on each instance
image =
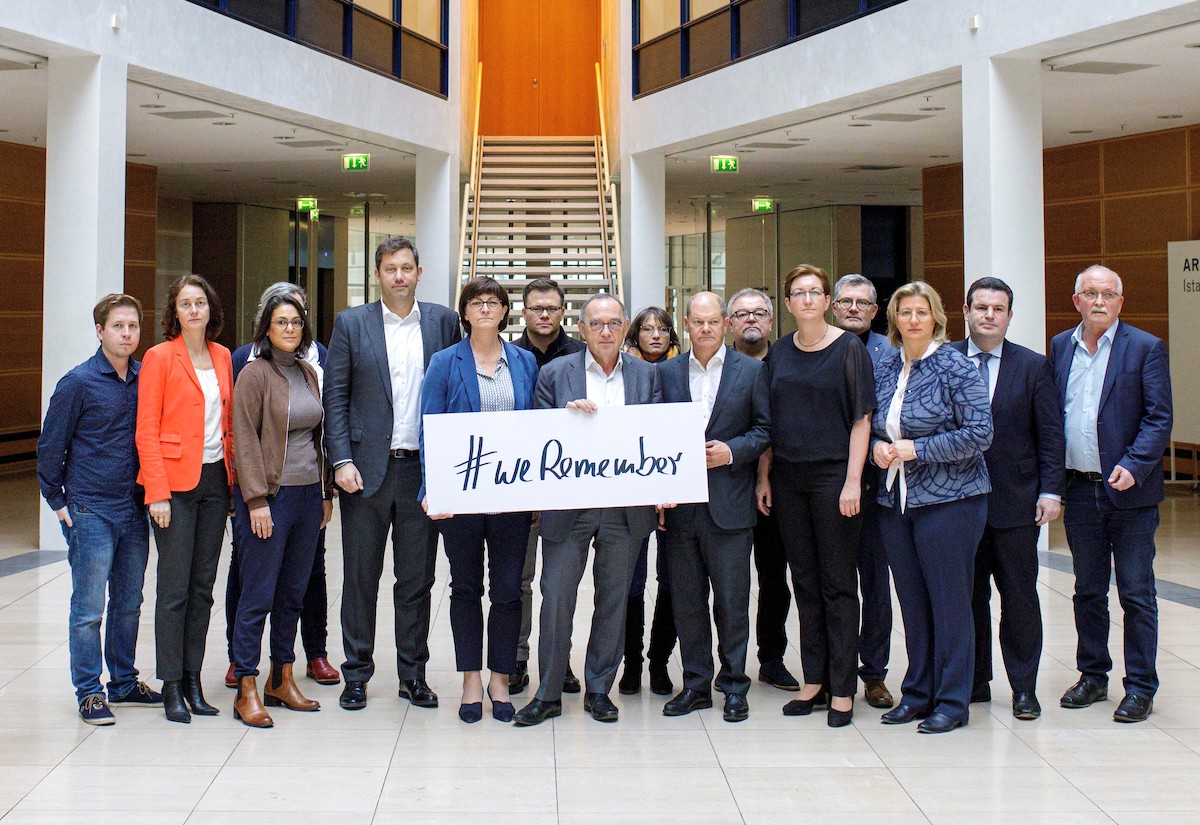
(1003, 223)
(85, 216)
(643, 229)
(437, 225)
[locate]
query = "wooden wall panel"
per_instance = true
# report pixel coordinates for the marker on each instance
(1156, 160)
(943, 189)
(22, 172)
(1194, 156)
(1073, 228)
(23, 228)
(1144, 223)
(1072, 172)
(943, 238)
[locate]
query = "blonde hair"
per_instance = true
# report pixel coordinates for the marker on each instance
(918, 289)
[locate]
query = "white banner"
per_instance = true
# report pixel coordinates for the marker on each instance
(1183, 302)
(565, 460)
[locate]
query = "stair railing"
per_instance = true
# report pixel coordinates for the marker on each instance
(616, 281)
(471, 192)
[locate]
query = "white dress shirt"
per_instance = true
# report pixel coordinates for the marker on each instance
(993, 364)
(705, 381)
(1085, 383)
(604, 390)
(406, 363)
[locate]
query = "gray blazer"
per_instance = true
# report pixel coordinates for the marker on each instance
(563, 380)
(741, 418)
(358, 385)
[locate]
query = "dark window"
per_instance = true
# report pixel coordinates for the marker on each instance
(658, 63)
(320, 23)
(818, 14)
(708, 43)
(764, 25)
(270, 14)
(420, 62)
(372, 42)
(885, 252)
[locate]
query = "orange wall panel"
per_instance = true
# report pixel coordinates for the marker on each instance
(1157, 160)
(1144, 223)
(943, 189)
(1072, 172)
(1073, 228)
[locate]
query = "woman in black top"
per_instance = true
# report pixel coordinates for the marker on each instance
(822, 394)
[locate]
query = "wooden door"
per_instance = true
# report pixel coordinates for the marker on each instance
(539, 61)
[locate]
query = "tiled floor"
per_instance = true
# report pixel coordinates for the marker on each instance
(390, 762)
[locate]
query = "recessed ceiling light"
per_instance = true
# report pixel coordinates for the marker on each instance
(858, 124)
(336, 149)
(1169, 117)
(1192, 46)
(932, 109)
(1080, 132)
(3, 131)
(223, 123)
(222, 170)
(127, 154)
(153, 106)
(938, 157)
(284, 137)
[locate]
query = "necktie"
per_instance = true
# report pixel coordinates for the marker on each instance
(984, 357)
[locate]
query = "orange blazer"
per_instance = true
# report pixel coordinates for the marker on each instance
(170, 418)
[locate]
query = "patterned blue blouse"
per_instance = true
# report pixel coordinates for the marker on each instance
(947, 415)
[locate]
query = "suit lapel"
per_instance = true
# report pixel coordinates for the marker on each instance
(377, 341)
(466, 373)
(1115, 358)
(729, 375)
(429, 333)
(1062, 365)
(576, 380)
(186, 360)
(630, 376)
(1008, 372)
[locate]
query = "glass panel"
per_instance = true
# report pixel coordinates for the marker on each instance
(372, 42)
(383, 8)
(817, 14)
(764, 25)
(658, 64)
(658, 17)
(699, 8)
(423, 17)
(709, 41)
(319, 22)
(270, 14)
(420, 63)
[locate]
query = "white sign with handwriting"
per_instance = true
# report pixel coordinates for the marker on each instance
(565, 460)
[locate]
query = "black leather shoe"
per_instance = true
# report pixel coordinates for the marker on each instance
(600, 707)
(737, 709)
(518, 680)
(687, 701)
(354, 696)
(660, 680)
(938, 723)
(418, 693)
(193, 694)
(777, 675)
(902, 714)
(571, 683)
(1085, 693)
(1026, 705)
(173, 704)
(537, 712)
(631, 679)
(981, 693)
(1134, 708)
(803, 707)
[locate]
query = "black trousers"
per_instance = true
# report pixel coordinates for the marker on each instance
(366, 521)
(275, 573)
(505, 536)
(875, 637)
(822, 550)
(1009, 555)
(774, 597)
(188, 552)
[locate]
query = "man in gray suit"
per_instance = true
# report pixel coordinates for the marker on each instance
(600, 376)
(377, 360)
(711, 543)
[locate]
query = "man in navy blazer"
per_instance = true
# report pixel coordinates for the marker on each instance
(855, 303)
(377, 359)
(709, 544)
(1115, 388)
(600, 376)
(1025, 464)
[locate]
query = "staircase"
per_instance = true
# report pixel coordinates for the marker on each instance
(542, 208)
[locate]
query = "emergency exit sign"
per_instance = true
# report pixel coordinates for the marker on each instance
(356, 162)
(762, 204)
(723, 163)
(306, 204)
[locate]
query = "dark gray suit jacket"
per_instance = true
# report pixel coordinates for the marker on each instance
(358, 385)
(741, 418)
(563, 380)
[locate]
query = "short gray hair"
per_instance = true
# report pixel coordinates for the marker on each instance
(1093, 268)
(751, 292)
(601, 296)
(854, 279)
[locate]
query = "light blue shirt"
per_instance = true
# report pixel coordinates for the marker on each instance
(993, 365)
(1085, 383)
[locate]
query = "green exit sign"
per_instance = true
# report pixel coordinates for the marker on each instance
(762, 204)
(306, 204)
(356, 162)
(723, 163)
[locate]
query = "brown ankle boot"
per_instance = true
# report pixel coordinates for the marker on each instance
(248, 707)
(281, 689)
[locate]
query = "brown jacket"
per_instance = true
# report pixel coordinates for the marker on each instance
(261, 412)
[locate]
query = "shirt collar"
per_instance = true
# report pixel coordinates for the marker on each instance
(390, 317)
(105, 366)
(718, 359)
(1108, 334)
(590, 364)
(973, 350)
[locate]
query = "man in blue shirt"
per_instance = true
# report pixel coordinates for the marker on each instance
(87, 467)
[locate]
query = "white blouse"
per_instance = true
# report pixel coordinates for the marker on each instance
(214, 447)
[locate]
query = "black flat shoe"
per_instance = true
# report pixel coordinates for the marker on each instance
(687, 701)
(1134, 708)
(501, 711)
(840, 718)
(470, 712)
(173, 704)
(354, 696)
(902, 714)
(193, 694)
(417, 692)
(737, 709)
(776, 675)
(803, 707)
(600, 707)
(518, 680)
(1025, 705)
(939, 723)
(536, 712)
(1084, 693)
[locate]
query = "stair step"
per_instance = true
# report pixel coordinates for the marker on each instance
(488, 241)
(540, 159)
(536, 197)
(538, 256)
(535, 187)
(518, 284)
(526, 140)
(490, 226)
(543, 211)
(557, 272)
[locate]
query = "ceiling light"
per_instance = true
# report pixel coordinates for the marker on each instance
(222, 170)
(932, 109)
(1191, 45)
(127, 154)
(223, 123)
(858, 124)
(153, 106)
(938, 157)
(1080, 132)
(1169, 117)
(284, 137)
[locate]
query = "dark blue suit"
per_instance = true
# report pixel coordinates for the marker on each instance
(1025, 460)
(1107, 528)
(710, 543)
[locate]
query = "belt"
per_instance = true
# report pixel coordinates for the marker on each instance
(406, 453)
(1080, 475)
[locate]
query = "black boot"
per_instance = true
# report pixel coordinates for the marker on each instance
(173, 704)
(194, 694)
(662, 629)
(635, 626)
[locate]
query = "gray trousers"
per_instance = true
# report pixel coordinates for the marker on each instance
(527, 574)
(563, 564)
(365, 524)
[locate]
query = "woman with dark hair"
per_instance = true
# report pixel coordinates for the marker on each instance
(185, 447)
(652, 336)
(281, 502)
(482, 373)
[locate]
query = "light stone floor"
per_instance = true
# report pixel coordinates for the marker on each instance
(391, 763)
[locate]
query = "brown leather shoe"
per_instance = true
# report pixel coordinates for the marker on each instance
(281, 689)
(248, 707)
(231, 678)
(878, 696)
(321, 672)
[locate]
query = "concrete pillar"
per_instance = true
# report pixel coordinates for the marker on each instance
(1003, 222)
(437, 225)
(643, 230)
(85, 217)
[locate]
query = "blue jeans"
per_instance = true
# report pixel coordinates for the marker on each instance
(113, 555)
(1101, 538)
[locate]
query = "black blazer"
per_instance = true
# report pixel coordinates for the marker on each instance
(741, 418)
(1027, 456)
(564, 380)
(358, 385)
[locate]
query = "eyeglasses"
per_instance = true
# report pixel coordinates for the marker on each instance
(611, 326)
(1092, 295)
(801, 294)
(656, 330)
(539, 311)
(284, 324)
(861, 303)
(478, 304)
(756, 314)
